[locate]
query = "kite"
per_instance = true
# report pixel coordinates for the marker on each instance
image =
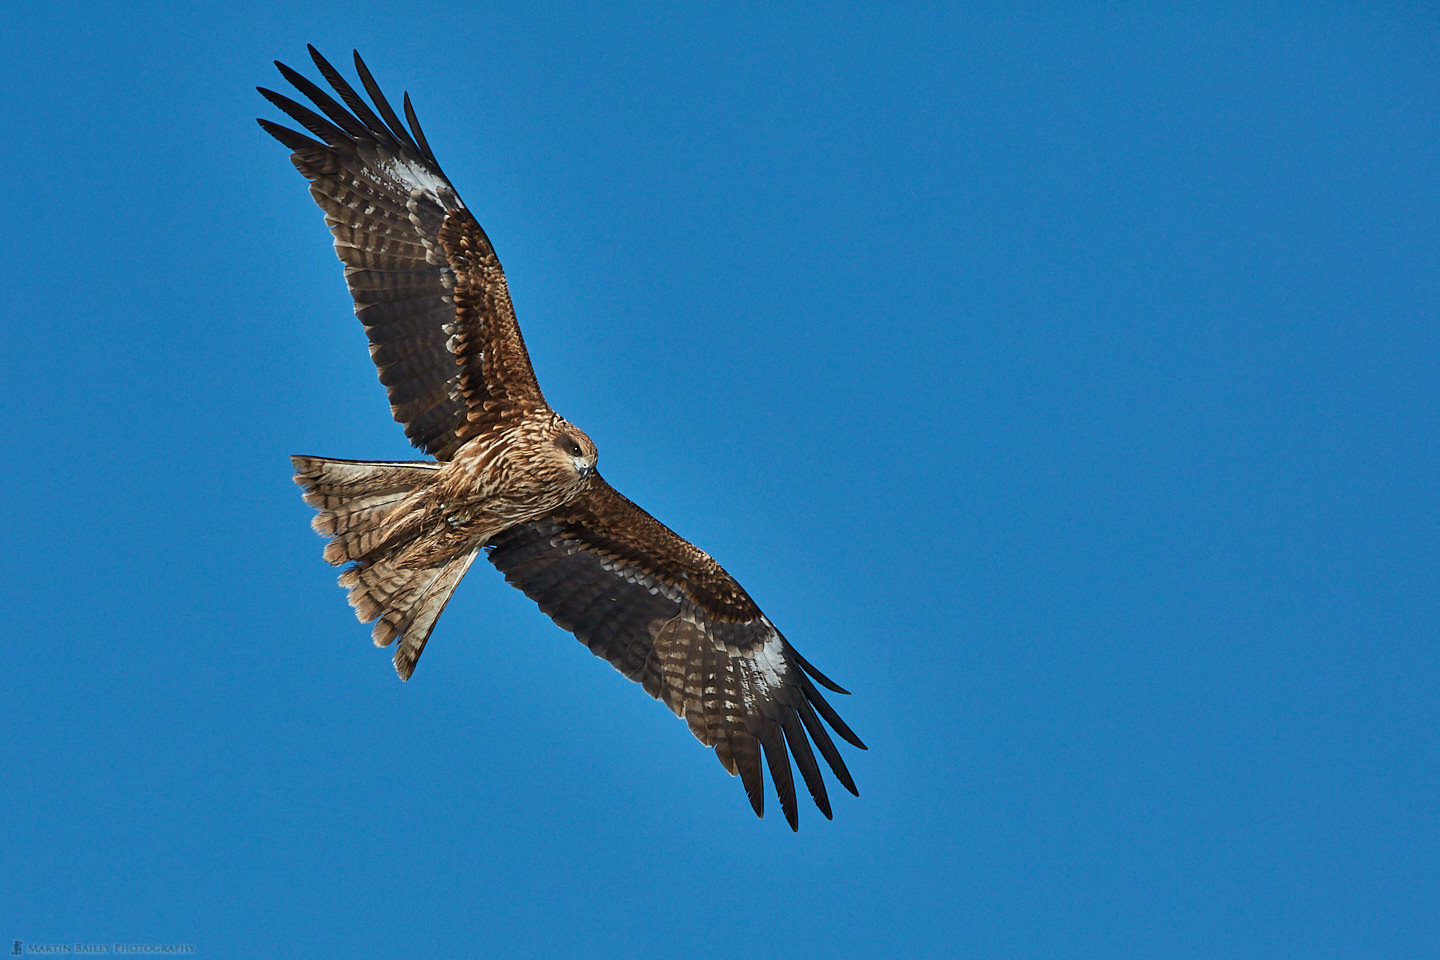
(511, 478)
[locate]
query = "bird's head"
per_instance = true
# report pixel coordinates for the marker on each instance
(576, 451)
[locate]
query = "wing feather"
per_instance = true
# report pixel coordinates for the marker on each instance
(337, 114)
(425, 279)
(353, 100)
(805, 759)
(821, 736)
(295, 141)
(371, 87)
(415, 126)
(772, 741)
(666, 615)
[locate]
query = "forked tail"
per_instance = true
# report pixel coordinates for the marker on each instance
(366, 508)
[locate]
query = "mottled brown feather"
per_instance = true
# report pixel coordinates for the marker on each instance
(666, 615)
(617, 529)
(425, 279)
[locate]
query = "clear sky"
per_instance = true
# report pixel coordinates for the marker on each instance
(1062, 382)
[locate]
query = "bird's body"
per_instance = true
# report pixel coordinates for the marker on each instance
(516, 471)
(510, 477)
(408, 527)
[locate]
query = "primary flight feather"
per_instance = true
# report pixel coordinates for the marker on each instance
(510, 476)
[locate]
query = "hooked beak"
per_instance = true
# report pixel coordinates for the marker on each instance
(585, 469)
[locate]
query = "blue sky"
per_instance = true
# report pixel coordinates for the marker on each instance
(1061, 381)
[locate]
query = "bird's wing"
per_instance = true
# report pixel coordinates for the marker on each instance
(425, 279)
(668, 616)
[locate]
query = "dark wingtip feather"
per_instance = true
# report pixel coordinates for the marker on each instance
(778, 760)
(306, 117)
(337, 114)
(352, 99)
(415, 128)
(805, 760)
(828, 712)
(754, 782)
(381, 104)
(292, 139)
(818, 733)
(823, 680)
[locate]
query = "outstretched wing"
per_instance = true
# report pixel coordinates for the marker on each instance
(668, 616)
(425, 279)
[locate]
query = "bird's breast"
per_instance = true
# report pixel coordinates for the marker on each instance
(503, 476)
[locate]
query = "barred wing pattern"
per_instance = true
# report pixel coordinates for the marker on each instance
(666, 615)
(425, 279)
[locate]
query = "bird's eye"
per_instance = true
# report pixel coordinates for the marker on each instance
(571, 446)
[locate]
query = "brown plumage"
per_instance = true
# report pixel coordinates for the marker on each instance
(510, 476)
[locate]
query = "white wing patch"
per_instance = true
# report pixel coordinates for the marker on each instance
(765, 671)
(418, 176)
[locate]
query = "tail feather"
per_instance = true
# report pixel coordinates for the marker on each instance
(419, 620)
(355, 527)
(326, 480)
(355, 499)
(404, 602)
(358, 503)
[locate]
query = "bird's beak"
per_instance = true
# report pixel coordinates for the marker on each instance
(585, 469)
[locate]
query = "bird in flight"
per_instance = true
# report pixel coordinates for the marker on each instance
(510, 477)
